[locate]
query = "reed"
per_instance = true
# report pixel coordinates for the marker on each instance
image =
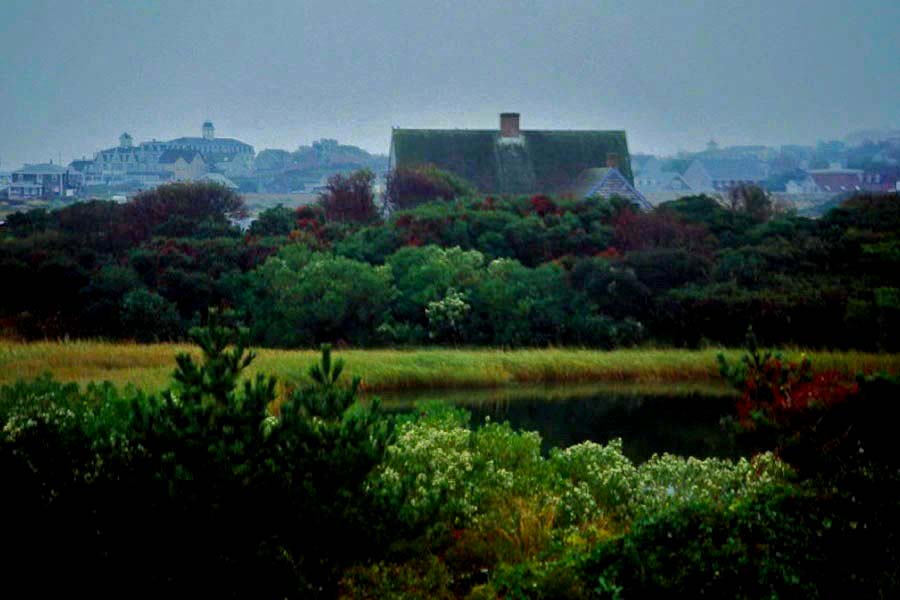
(148, 366)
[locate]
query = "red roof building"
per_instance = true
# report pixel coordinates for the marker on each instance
(837, 180)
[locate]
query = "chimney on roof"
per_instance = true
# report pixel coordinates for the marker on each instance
(612, 160)
(509, 125)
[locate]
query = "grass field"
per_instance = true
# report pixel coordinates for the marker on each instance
(149, 366)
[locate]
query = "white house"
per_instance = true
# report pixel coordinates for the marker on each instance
(719, 175)
(652, 178)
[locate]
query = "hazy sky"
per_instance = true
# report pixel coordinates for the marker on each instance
(75, 74)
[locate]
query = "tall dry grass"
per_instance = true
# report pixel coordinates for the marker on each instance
(148, 366)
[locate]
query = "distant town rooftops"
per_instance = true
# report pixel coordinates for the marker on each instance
(208, 142)
(80, 165)
(837, 181)
(736, 169)
(42, 169)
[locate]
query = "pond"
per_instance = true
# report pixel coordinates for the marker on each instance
(683, 420)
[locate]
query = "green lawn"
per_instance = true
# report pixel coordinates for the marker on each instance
(149, 366)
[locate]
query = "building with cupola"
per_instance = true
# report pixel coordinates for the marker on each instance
(150, 163)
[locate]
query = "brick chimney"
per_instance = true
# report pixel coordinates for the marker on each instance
(612, 160)
(509, 125)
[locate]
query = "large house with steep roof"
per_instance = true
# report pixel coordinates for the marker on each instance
(510, 160)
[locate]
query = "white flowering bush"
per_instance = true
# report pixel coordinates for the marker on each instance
(447, 315)
(667, 481)
(603, 482)
(438, 469)
(426, 474)
(598, 479)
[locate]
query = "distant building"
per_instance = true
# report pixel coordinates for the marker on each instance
(607, 182)
(44, 180)
(801, 186)
(510, 160)
(213, 149)
(876, 181)
(653, 178)
(836, 180)
(184, 165)
(150, 179)
(722, 174)
(149, 161)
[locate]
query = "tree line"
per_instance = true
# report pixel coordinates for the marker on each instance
(447, 266)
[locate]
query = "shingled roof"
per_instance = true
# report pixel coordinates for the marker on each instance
(607, 182)
(171, 156)
(734, 169)
(534, 161)
(42, 169)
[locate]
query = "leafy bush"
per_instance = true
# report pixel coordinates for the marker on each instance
(350, 198)
(778, 543)
(407, 187)
(299, 298)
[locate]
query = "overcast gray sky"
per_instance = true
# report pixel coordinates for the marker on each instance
(76, 73)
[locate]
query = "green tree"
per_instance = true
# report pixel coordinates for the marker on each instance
(425, 274)
(148, 317)
(301, 298)
(274, 221)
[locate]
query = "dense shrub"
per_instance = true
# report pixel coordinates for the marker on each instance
(204, 490)
(350, 198)
(689, 272)
(301, 298)
(407, 187)
(781, 543)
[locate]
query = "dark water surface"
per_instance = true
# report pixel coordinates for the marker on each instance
(682, 420)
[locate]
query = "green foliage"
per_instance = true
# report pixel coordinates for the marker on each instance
(349, 502)
(300, 298)
(148, 317)
(407, 187)
(779, 543)
(278, 220)
(591, 272)
(427, 274)
(195, 465)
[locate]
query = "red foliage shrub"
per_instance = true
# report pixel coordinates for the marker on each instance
(350, 198)
(542, 205)
(489, 203)
(775, 391)
(644, 231)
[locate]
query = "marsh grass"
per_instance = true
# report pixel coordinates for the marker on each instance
(149, 366)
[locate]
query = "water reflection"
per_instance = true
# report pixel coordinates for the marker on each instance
(650, 419)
